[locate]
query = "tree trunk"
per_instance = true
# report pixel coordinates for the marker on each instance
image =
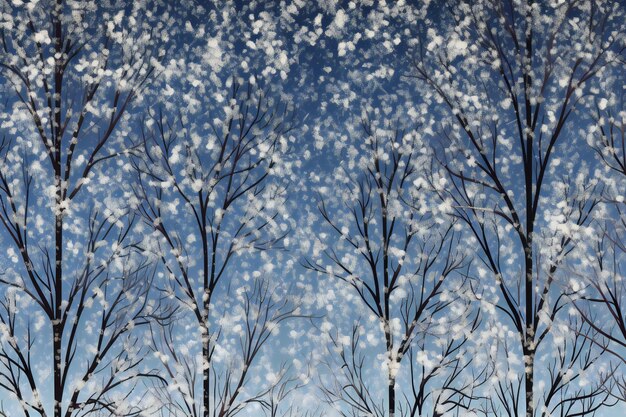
(391, 377)
(206, 305)
(529, 337)
(529, 372)
(58, 388)
(57, 328)
(392, 396)
(206, 370)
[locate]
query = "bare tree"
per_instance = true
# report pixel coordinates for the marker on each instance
(210, 193)
(70, 71)
(407, 273)
(513, 83)
(602, 299)
(261, 311)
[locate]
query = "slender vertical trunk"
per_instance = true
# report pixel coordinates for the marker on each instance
(392, 396)
(57, 328)
(529, 373)
(529, 337)
(57, 325)
(58, 389)
(206, 302)
(206, 370)
(391, 372)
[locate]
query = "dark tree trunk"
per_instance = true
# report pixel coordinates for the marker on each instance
(57, 327)
(391, 379)
(206, 370)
